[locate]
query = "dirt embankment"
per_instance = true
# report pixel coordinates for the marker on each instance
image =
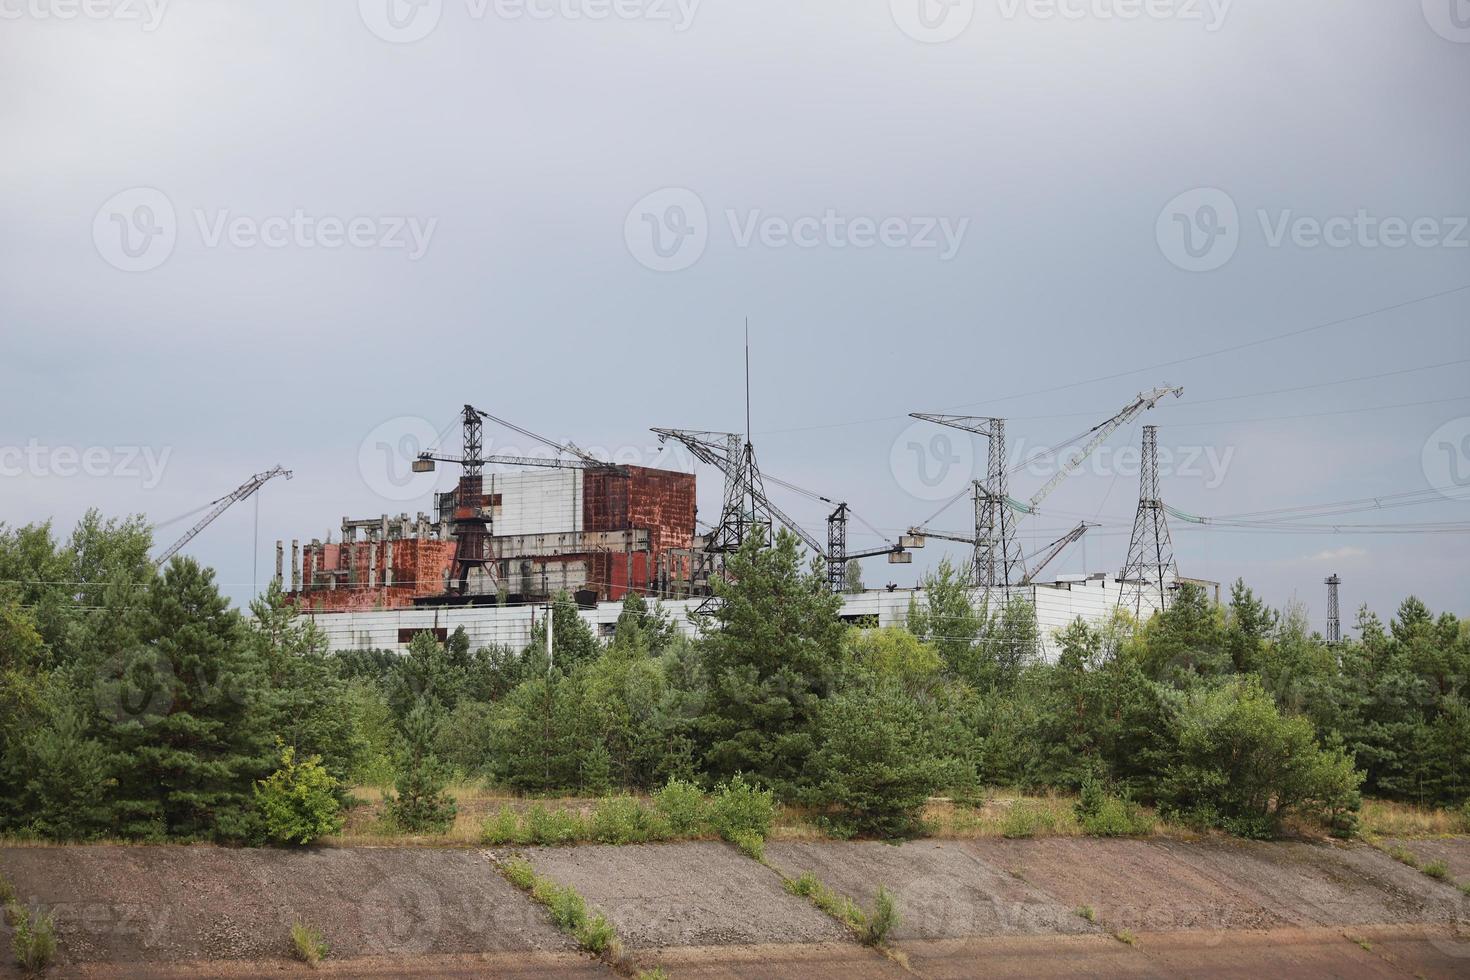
(1051, 907)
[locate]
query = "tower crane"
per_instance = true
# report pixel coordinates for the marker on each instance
(220, 506)
(747, 509)
(470, 528)
(995, 553)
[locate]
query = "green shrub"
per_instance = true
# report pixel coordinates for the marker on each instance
(503, 827)
(1403, 855)
(520, 873)
(738, 807)
(1437, 870)
(1243, 766)
(878, 763)
(34, 941)
(803, 885)
(1027, 819)
(7, 892)
(882, 920)
(682, 804)
(308, 944)
(568, 909)
(548, 827)
(1117, 817)
(753, 845)
(595, 934)
(657, 973)
(298, 802)
(619, 820)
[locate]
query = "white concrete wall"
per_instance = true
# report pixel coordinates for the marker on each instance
(537, 501)
(1057, 606)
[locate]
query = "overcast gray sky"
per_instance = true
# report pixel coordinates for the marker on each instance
(236, 234)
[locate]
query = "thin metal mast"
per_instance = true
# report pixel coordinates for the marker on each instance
(1150, 570)
(1334, 618)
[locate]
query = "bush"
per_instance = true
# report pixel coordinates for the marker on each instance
(1437, 870)
(623, 820)
(595, 934)
(34, 941)
(1243, 766)
(568, 909)
(878, 763)
(520, 873)
(308, 944)
(551, 827)
(1027, 819)
(883, 919)
(738, 807)
(1105, 815)
(298, 802)
(504, 827)
(753, 845)
(682, 804)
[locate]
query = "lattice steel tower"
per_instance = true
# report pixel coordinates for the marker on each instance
(996, 552)
(1150, 569)
(1334, 618)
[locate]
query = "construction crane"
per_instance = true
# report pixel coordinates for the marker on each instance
(1100, 432)
(996, 557)
(747, 509)
(470, 528)
(1041, 558)
(220, 506)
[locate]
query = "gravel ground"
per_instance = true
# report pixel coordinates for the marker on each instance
(162, 904)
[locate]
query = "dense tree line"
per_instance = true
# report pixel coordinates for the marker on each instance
(135, 703)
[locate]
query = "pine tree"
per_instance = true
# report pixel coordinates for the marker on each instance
(189, 726)
(421, 803)
(776, 652)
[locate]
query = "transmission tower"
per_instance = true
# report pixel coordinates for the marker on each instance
(1334, 618)
(996, 553)
(1150, 570)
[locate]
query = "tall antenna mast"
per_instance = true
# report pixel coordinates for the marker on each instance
(747, 380)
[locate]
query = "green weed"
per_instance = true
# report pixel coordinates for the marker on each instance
(308, 944)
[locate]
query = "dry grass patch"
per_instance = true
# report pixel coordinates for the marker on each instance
(1385, 818)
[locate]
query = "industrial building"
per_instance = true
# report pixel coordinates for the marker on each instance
(595, 534)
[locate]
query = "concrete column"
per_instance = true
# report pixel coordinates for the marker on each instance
(280, 560)
(388, 564)
(295, 565)
(372, 564)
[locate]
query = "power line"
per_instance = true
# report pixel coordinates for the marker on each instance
(1246, 345)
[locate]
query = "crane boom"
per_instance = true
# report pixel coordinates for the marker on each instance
(220, 506)
(500, 460)
(1100, 432)
(1049, 554)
